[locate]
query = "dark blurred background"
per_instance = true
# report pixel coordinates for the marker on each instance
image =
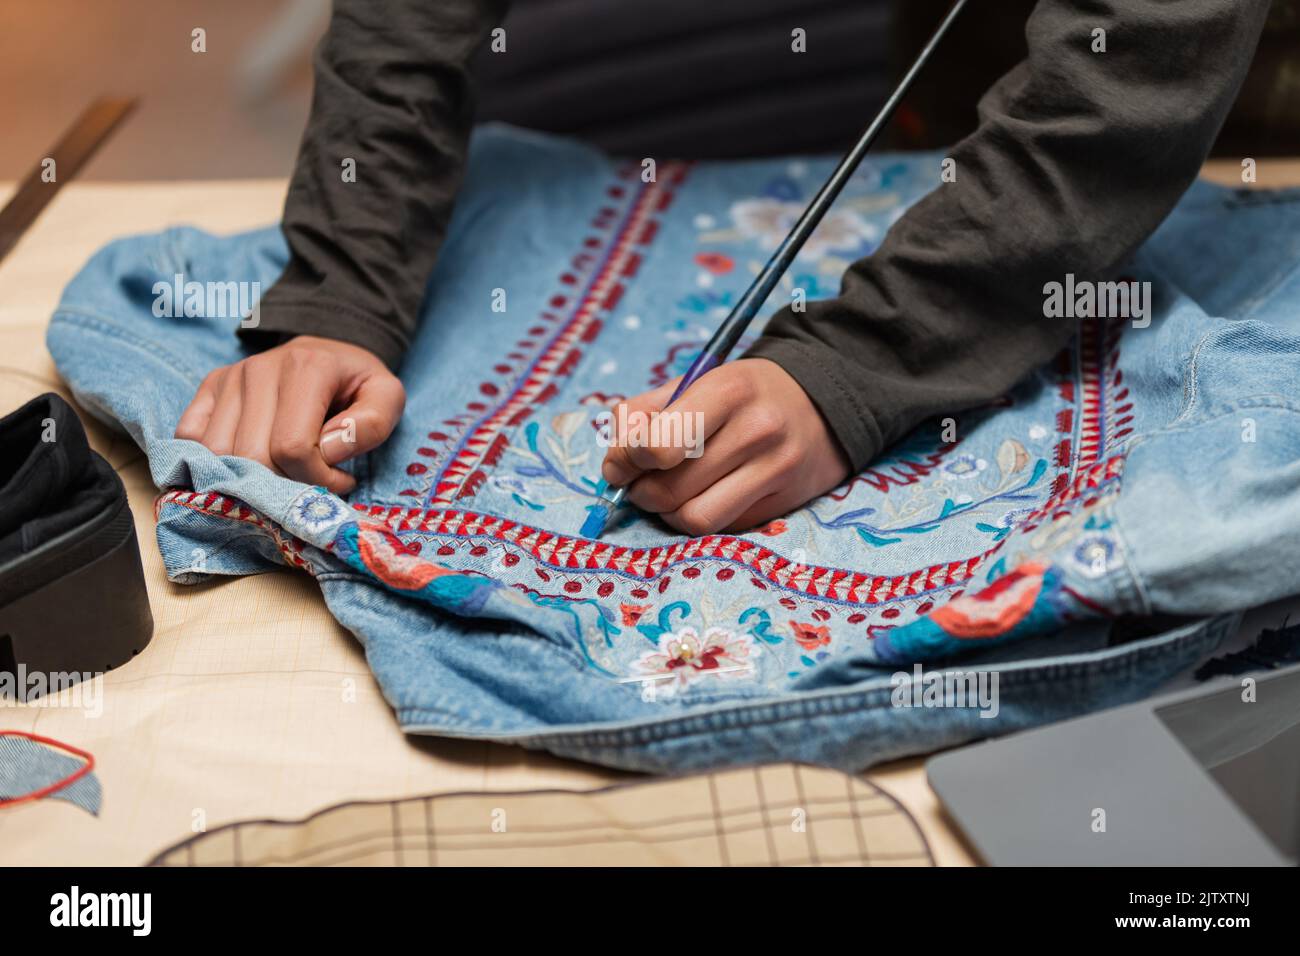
(1264, 122)
(717, 78)
(690, 78)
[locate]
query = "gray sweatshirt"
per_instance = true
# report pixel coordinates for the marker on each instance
(1078, 157)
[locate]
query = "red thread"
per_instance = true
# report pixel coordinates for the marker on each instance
(68, 781)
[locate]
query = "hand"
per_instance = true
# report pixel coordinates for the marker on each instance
(767, 450)
(273, 408)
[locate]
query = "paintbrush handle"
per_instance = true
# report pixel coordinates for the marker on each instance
(722, 341)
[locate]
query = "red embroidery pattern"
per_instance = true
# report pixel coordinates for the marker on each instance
(1098, 356)
(583, 568)
(563, 553)
(529, 376)
(997, 608)
(1100, 381)
(1096, 373)
(221, 506)
(898, 475)
(665, 371)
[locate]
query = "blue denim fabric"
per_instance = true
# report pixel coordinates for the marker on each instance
(29, 766)
(1149, 470)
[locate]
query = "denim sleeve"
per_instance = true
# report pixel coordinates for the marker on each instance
(392, 95)
(1078, 156)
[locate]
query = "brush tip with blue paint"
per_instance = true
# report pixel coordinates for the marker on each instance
(597, 518)
(598, 514)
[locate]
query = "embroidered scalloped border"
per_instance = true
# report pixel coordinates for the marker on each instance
(221, 506)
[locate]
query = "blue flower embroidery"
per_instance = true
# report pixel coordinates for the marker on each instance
(316, 511)
(965, 466)
(1094, 555)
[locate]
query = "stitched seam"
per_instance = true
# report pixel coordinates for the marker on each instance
(843, 702)
(745, 716)
(1217, 412)
(1191, 387)
(1278, 404)
(1131, 565)
(1193, 372)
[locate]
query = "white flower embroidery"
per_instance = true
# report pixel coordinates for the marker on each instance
(767, 221)
(685, 658)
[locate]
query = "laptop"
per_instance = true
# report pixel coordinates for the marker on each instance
(1206, 776)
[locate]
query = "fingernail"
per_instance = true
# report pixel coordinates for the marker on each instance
(614, 474)
(334, 448)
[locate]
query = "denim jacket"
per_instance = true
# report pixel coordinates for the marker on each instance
(1154, 469)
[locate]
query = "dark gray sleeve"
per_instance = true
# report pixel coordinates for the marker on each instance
(392, 92)
(1077, 158)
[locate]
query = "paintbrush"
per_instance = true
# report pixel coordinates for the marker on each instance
(733, 327)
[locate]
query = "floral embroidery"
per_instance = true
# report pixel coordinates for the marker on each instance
(664, 624)
(509, 484)
(768, 221)
(761, 626)
(1013, 519)
(810, 636)
(523, 448)
(911, 462)
(1094, 555)
(557, 465)
(462, 450)
(686, 658)
(715, 262)
(878, 534)
(894, 616)
(632, 612)
(965, 467)
(996, 609)
(396, 564)
(317, 511)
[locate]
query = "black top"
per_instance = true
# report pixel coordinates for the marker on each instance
(1078, 157)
